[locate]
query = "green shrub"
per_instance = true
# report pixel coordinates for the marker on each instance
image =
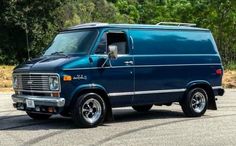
(230, 66)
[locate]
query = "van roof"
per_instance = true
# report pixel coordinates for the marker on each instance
(140, 26)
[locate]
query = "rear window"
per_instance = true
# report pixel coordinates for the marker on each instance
(172, 42)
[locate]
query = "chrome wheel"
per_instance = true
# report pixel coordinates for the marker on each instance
(91, 110)
(198, 102)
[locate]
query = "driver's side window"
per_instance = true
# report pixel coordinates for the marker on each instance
(118, 39)
(102, 46)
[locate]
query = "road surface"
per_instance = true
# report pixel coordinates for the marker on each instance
(163, 125)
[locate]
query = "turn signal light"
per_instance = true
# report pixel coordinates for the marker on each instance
(50, 109)
(67, 78)
(56, 94)
(219, 72)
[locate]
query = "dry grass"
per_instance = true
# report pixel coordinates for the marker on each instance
(6, 90)
(5, 76)
(229, 78)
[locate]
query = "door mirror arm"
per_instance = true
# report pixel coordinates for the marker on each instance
(105, 62)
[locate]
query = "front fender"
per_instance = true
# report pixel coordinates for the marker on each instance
(87, 87)
(78, 91)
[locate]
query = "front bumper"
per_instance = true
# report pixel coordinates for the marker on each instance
(40, 100)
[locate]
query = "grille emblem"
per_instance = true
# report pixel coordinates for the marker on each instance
(30, 82)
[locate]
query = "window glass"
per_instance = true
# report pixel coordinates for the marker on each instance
(102, 46)
(113, 38)
(71, 42)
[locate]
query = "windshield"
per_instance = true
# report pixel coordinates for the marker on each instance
(76, 42)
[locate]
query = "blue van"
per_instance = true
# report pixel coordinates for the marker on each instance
(91, 68)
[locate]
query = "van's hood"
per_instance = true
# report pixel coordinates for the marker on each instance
(46, 64)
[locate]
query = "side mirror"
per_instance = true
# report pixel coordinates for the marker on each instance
(113, 52)
(112, 55)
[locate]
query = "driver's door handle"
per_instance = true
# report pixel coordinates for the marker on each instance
(129, 62)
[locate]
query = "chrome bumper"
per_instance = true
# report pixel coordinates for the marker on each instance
(40, 100)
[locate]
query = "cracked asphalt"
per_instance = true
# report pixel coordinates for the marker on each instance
(163, 125)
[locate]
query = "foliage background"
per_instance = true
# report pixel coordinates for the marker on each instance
(42, 19)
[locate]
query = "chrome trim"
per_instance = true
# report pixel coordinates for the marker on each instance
(106, 55)
(132, 42)
(217, 87)
(170, 55)
(33, 73)
(164, 65)
(40, 100)
(36, 91)
(88, 24)
(177, 24)
(159, 91)
(138, 66)
(156, 55)
(154, 91)
(146, 92)
(121, 94)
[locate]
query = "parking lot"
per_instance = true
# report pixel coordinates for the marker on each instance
(163, 125)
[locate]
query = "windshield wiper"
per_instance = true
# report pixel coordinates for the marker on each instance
(59, 53)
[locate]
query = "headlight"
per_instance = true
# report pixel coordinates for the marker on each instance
(15, 82)
(54, 83)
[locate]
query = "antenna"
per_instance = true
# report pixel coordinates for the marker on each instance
(27, 40)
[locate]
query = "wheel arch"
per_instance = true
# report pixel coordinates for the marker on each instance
(93, 88)
(208, 88)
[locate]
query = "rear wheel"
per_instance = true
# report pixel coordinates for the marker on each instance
(89, 110)
(142, 108)
(195, 102)
(38, 116)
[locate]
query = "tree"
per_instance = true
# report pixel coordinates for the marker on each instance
(41, 20)
(38, 19)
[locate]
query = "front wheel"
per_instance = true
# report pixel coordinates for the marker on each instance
(38, 116)
(142, 108)
(89, 110)
(195, 102)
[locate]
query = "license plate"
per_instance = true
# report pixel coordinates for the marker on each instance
(30, 103)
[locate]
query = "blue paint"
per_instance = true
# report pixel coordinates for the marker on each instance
(165, 58)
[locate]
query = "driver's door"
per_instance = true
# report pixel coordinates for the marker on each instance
(116, 75)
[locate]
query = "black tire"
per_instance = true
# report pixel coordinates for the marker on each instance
(142, 108)
(192, 107)
(87, 107)
(38, 116)
(65, 114)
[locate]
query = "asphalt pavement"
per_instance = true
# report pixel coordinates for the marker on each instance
(163, 125)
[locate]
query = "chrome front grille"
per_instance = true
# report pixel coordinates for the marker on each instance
(33, 82)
